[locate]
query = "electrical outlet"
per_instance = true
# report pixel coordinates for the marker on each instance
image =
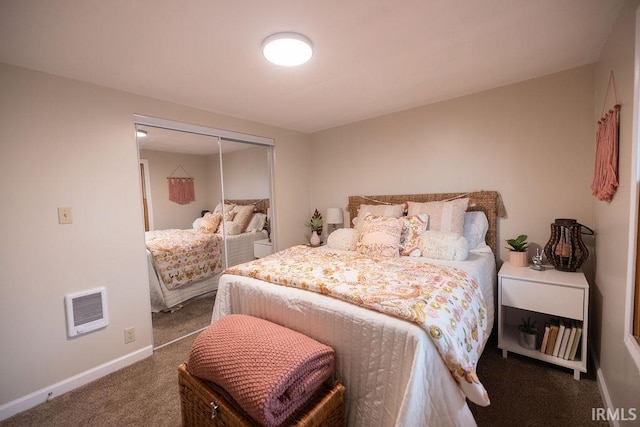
(129, 335)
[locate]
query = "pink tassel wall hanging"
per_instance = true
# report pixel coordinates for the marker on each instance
(181, 189)
(605, 177)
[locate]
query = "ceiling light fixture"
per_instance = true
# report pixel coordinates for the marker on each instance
(287, 49)
(141, 133)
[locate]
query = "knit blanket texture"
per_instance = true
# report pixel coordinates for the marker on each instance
(269, 370)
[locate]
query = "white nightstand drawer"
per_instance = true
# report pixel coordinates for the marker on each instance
(557, 300)
(262, 248)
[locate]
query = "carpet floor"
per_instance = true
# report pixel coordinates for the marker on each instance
(523, 392)
(194, 315)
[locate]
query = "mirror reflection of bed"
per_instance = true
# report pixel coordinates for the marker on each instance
(182, 290)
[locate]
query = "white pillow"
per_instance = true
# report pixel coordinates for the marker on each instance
(196, 223)
(230, 228)
(444, 245)
(256, 223)
(475, 229)
(343, 239)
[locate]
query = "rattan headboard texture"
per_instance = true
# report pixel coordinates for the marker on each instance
(488, 202)
(259, 205)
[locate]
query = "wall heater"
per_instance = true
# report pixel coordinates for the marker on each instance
(86, 311)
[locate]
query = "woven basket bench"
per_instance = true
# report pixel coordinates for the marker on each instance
(205, 404)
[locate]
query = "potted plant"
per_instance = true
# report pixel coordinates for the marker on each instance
(518, 256)
(315, 224)
(528, 334)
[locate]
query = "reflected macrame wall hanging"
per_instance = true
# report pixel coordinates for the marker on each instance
(605, 176)
(181, 189)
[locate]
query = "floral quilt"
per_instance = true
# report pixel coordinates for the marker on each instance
(445, 301)
(183, 256)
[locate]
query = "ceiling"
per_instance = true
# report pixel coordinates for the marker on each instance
(372, 57)
(173, 141)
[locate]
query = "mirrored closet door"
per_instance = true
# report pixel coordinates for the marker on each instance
(186, 173)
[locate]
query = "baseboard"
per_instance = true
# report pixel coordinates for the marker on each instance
(29, 401)
(606, 398)
(602, 386)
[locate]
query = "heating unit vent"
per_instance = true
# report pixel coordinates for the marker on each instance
(86, 311)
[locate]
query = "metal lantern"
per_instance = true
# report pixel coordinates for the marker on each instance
(565, 249)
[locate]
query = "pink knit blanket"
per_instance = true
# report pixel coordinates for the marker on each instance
(269, 370)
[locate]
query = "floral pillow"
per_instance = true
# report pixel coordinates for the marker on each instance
(412, 229)
(392, 211)
(380, 237)
(443, 216)
(210, 223)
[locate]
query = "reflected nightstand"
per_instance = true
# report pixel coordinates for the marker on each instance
(262, 248)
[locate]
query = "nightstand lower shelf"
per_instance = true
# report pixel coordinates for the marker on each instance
(551, 297)
(510, 344)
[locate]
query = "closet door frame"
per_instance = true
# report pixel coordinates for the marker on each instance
(225, 135)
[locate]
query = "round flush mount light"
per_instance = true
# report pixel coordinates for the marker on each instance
(287, 49)
(141, 133)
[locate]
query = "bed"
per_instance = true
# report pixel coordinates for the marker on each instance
(393, 371)
(170, 293)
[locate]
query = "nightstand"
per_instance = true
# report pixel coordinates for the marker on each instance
(543, 296)
(262, 248)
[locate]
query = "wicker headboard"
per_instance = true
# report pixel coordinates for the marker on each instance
(259, 205)
(488, 202)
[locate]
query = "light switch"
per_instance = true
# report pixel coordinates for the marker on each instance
(64, 216)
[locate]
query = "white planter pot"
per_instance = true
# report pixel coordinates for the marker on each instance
(315, 239)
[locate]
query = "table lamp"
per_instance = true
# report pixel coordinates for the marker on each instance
(333, 218)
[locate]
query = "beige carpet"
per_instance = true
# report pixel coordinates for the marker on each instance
(528, 392)
(143, 394)
(193, 316)
(524, 392)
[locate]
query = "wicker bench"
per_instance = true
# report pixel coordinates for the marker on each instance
(204, 404)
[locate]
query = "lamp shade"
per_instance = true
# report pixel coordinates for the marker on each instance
(334, 216)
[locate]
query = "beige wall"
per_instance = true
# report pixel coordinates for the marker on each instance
(618, 372)
(531, 141)
(246, 173)
(66, 143)
(168, 214)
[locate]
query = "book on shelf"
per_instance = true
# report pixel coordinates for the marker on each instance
(553, 333)
(545, 337)
(565, 339)
(558, 342)
(572, 336)
(576, 342)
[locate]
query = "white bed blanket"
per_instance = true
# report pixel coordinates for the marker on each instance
(391, 369)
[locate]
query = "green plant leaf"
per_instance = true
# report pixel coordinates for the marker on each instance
(519, 244)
